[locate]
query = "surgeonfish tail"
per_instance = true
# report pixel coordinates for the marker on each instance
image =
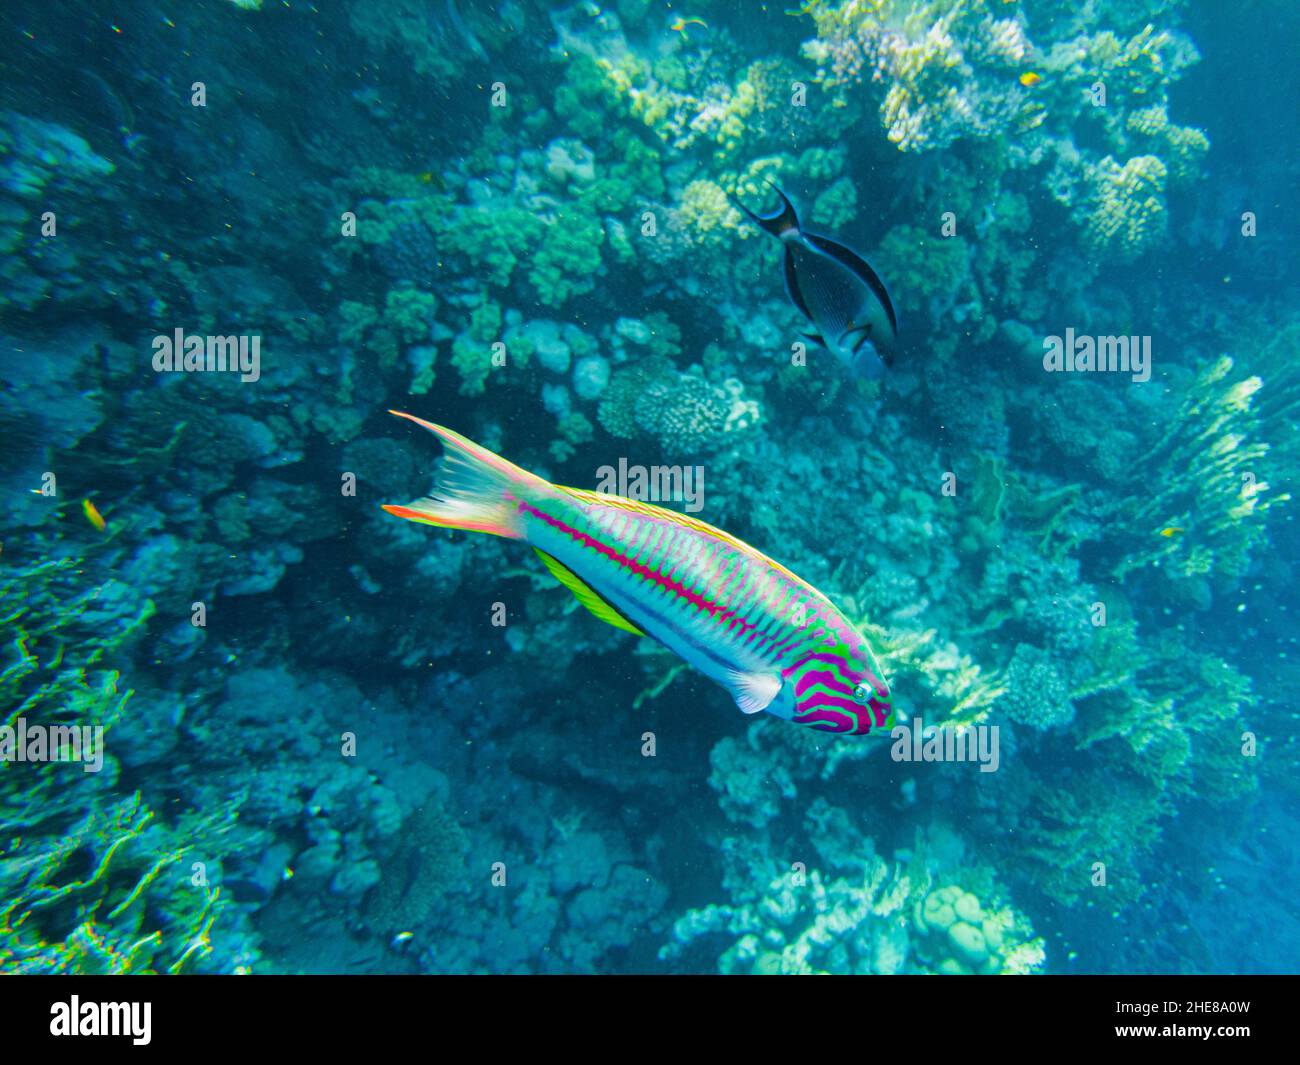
(778, 224)
(474, 489)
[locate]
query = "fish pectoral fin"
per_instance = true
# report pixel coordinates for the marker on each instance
(584, 594)
(861, 332)
(754, 691)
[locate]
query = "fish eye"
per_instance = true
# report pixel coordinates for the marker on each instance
(861, 694)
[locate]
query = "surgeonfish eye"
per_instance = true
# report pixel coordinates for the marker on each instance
(861, 694)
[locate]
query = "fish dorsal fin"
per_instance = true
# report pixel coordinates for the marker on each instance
(581, 592)
(860, 267)
(601, 499)
(754, 691)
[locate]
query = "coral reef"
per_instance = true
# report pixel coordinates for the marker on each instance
(910, 916)
(337, 742)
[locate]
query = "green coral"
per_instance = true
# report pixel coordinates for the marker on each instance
(409, 312)
(1181, 148)
(1037, 694)
(1204, 479)
(91, 882)
(575, 429)
(927, 913)
(706, 211)
(837, 205)
(1126, 214)
(110, 896)
(922, 266)
(568, 258)
(473, 361)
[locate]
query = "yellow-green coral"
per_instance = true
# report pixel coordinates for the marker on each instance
(1126, 215)
(923, 265)
(706, 210)
(89, 880)
(1181, 148)
(1205, 477)
(958, 934)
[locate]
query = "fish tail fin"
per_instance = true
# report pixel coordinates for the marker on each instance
(778, 224)
(475, 490)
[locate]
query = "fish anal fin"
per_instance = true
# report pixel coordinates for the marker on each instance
(754, 691)
(816, 339)
(584, 594)
(865, 330)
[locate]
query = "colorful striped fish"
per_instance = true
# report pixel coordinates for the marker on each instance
(773, 641)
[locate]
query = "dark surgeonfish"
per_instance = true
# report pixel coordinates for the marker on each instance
(837, 291)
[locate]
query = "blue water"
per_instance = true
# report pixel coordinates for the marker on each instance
(313, 737)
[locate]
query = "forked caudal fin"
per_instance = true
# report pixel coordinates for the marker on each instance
(474, 489)
(784, 221)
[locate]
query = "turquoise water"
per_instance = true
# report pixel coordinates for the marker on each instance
(253, 722)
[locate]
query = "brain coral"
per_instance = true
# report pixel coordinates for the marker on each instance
(1036, 693)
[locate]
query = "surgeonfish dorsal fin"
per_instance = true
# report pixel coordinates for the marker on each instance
(860, 267)
(581, 592)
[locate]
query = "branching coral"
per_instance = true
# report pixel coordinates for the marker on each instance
(949, 67)
(91, 881)
(1204, 478)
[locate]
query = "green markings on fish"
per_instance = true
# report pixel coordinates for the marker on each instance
(742, 619)
(836, 289)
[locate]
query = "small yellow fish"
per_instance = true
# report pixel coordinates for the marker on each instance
(1029, 79)
(1172, 530)
(401, 938)
(680, 25)
(93, 515)
(287, 874)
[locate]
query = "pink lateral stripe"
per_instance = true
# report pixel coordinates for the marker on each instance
(640, 569)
